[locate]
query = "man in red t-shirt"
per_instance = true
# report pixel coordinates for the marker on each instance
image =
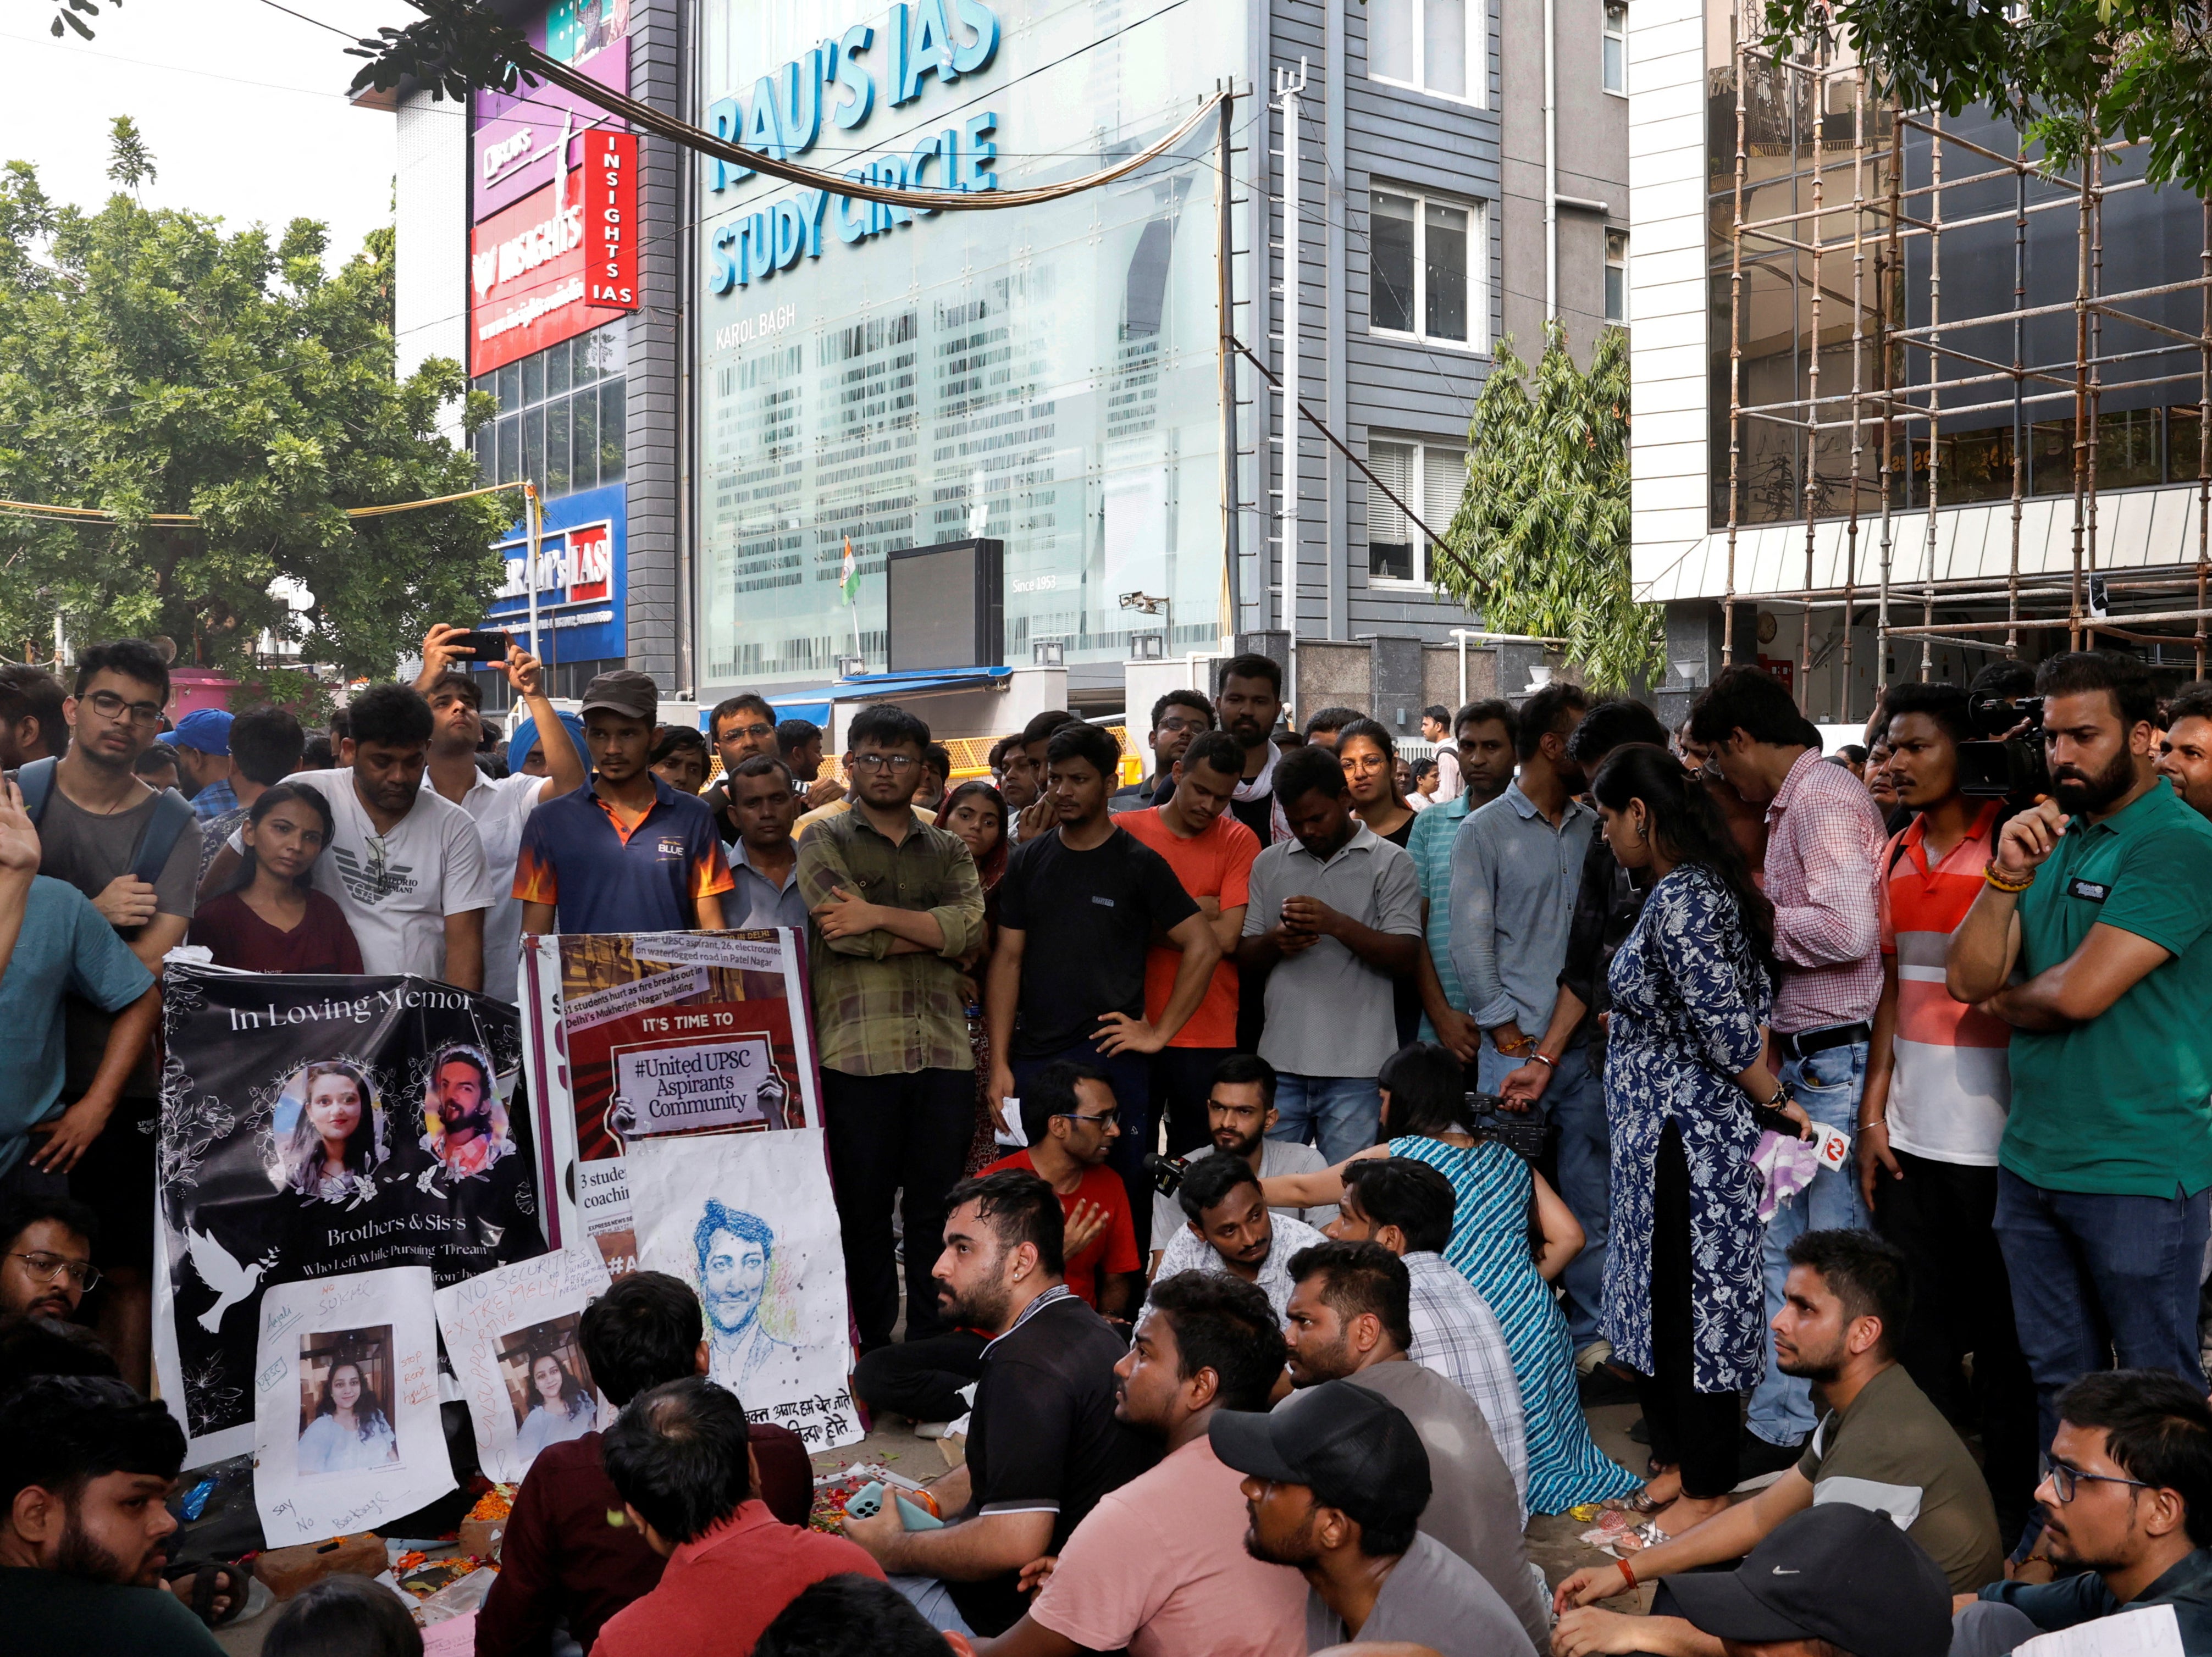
(1068, 1118)
(1211, 854)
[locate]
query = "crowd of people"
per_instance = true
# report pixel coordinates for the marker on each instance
(1261, 1167)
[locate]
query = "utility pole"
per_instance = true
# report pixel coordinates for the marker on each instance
(1287, 89)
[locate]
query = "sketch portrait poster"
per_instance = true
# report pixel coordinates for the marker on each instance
(346, 1434)
(511, 1335)
(634, 1037)
(322, 1126)
(748, 1221)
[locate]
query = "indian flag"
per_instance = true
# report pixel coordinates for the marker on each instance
(850, 575)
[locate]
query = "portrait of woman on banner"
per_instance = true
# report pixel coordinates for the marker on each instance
(329, 1149)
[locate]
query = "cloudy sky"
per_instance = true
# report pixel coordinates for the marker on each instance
(243, 106)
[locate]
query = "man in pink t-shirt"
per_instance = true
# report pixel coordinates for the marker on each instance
(1158, 1567)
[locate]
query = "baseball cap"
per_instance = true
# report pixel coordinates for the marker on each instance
(1354, 1449)
(1834, 1572)
(625, 690)
(206, 729)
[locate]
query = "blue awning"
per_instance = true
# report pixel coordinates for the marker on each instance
(910, 684)
(811, 708)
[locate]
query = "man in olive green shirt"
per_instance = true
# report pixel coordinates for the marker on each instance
(897, 912)
(2099, 898)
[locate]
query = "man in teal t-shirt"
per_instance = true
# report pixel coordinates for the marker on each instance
(2102, 899)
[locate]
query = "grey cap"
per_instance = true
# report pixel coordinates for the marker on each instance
(625, 690)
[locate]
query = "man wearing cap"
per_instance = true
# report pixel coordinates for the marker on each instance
(1336, 1482)
(625, 852)
(1835, 1579)
(202, 740)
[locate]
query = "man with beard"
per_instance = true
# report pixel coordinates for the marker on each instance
(1335, 1483)
(1159, 1568)
(1881, 1445)
(1230, 1228)
(1348, 1321)
(1043, 1444)
(1248, 704)
(1178, 719)
(2127, 1506)
(85, 1470)
(1240, 1108)
(45, 1257)
(735, 1249)
(2099, 899)
(467, 1136)
(1482, 765)
(2185, 752)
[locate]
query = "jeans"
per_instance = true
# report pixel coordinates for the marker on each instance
(1574, 1104)
(1182, 1079)
(1130, 1075)
(2099, 1278)
(1990, 1628)
(934, 1601)
(1340, 1113)
(1828, 1084)
(888, 1135)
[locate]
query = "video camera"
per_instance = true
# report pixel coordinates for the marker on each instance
(2010, 767)
(1165, 1172)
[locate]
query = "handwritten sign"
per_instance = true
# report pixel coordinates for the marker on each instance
(512, 1337)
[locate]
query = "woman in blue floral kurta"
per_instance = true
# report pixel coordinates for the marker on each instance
(1690, 989)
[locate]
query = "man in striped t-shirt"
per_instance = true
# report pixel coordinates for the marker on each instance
(1938, 1087)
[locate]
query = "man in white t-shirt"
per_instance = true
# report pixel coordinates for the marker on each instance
(405, 864)
(499, 807)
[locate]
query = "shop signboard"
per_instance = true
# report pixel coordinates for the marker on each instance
(560, 261)
(514, 135)
(582, 570)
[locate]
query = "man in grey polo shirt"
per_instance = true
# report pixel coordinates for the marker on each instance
(1334, 918)
(1516, 867)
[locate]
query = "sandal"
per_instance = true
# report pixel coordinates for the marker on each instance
(211, 1580)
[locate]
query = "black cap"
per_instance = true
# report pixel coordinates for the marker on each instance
(1354, 1449)
(1834, 1572)
(625, 690)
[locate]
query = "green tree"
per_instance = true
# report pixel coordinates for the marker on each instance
(1540, 542)
(151, 363)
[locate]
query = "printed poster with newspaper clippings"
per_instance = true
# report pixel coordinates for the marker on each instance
(637, 1038)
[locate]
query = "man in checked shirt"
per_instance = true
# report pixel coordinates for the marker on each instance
(1824, 836)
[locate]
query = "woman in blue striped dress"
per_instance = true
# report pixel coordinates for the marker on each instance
(1510, 1260)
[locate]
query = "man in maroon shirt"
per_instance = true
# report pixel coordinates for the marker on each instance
(680, 1457)
(567, 1554)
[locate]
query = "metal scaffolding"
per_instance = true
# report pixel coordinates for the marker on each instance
(1909, 383)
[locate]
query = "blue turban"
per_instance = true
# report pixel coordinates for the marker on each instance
(525, 738)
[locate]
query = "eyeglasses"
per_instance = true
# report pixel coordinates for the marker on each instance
(881, 761)
(110, 707)
(46, 1267)
(2064, 1479)
(756, 732)
(1177, 726)
(1077, 1116)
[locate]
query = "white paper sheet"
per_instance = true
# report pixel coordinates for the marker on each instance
(510, 1330)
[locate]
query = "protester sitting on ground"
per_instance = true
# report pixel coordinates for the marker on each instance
(85, 1470)
(1347, 1322)
(1406, 1206)
(679, 758)
(1833, 1579)
(854, 1615)
(1881, 1443)
(1069, 1120)
(1227, 1227)
(561, 1558)
(273, 919)
(1240, 1108)
(344, 1616)
(679, 1455)
(1159, 1568)
(1426, 1111)
(2127, 1510)
(1043, 1445)
(1335, 1483)
(46, 1244)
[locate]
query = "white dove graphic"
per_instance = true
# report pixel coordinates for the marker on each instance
(231, 1282)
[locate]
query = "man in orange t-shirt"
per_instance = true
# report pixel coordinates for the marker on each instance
(1211, 854)
(1068, 1117)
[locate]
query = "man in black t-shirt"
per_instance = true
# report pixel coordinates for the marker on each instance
(1094, 897)
(1043, 1443)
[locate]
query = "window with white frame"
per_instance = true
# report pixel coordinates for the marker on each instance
(1430, 477)
(1423, 258)
(1434, 45)
(1616, 277)
(1616, 46)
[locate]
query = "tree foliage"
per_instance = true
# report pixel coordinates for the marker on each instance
(150, 363)
(1541, 538)
(2138, 71)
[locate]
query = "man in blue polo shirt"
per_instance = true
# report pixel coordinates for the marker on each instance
(625, 852)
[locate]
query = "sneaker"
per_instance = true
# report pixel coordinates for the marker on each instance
(1598, 1351)
(1756, 1458)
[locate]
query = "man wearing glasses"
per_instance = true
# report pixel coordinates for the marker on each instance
(743, 726)
(45, 1257)
(897, 923)
(1178, 719)
(99, 829)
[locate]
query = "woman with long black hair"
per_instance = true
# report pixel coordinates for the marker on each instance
(272, 919)
(1692, 986)
(561, 1407)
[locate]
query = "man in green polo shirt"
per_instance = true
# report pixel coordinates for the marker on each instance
(2101, 900)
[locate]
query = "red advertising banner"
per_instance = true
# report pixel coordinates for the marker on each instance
(558, 262)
